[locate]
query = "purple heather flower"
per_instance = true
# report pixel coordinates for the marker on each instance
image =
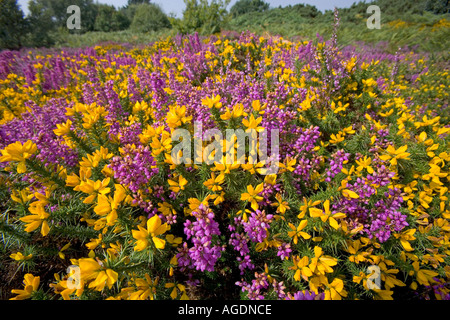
(135, 167)
(204, 254)
(307, 295)
(257, 225)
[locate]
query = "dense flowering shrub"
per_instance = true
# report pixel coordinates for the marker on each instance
(93, 205)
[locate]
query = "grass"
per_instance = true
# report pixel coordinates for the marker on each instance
(90, 39)
(429, 33)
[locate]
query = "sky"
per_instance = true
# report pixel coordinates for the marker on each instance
(177, 6)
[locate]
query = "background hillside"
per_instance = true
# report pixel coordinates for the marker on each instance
(421, 23)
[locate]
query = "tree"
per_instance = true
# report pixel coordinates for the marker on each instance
(438, 6)
(109, 19)
(307, 11)
(149, 17)
(57, 9)
(12, 25)
(136, 2)
(202, 16)
(245, 6)
(41, 25)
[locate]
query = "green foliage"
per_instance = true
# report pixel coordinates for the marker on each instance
(202, 16)
(41, 24)
(149, 17)
(403, 22)
(97, 38)
(109, 19)
(12, 25)
(305, 22)
(246, 6)
(134, 2)
(57, 9)
(438, 6)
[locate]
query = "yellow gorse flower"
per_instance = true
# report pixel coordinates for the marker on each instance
(321, 263)
(423, 276)
(93, 188)
(63, 129)
(37, 219)
(364, 164)
(177, 116)
(146, 288)
(326, 214)
(174, 292)
(252, 195)
(96, 274)
(213, 102)
(107, 206)
(297, 231)
(177, 186)
(302, 271)
(395, 154)
(154, 229)
(253, 123)
(30, 284)
(281, 205)
(18, 152)
(20, 257)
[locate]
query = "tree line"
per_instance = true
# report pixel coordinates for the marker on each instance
(46, 19)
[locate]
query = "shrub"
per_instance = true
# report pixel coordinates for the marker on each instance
(149, 17)
(12, 25)
(202, 16)
(245, 6)
(109, 19)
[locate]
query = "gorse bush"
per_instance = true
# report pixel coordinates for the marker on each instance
(95, 204)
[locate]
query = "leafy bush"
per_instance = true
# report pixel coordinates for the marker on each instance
(246, 6)
(13, 26)
(109, 19)
(149, 17)
(202, 16)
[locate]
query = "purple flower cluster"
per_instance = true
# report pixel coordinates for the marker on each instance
(381, 140)
(306, 295)
(305, 166)
(135, 167)
(386, 216)
(133, 90)
(440, 288)
(278, 288)
(130, 134)
(114, 108)
(257, 225)
(204, 254)
(336, 164)
(37, 125)
(284, 250)
(267, 193)
(305, 143)
(255, 290)
(239, 241)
